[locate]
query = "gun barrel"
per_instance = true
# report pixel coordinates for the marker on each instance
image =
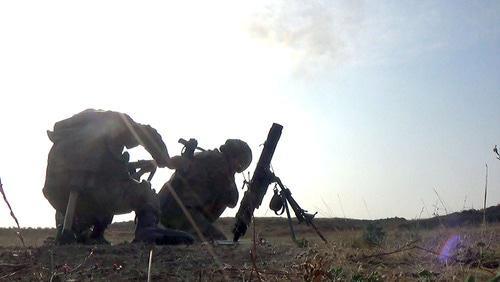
(257, 187)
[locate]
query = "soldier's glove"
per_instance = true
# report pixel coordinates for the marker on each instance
(163, 162)
(180, 163)
(192, 143)
(146, 165)
(189, 147)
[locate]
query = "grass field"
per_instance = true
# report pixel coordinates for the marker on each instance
(391, 253)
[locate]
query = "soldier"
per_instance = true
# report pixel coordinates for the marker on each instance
(206, 189)
(87, 157)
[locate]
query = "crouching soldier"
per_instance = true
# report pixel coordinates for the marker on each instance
(87, 160)
(206, 189)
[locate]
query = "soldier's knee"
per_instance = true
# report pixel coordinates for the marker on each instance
(145, 197)
(145, 184)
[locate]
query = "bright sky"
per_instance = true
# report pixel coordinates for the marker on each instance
(381, 101)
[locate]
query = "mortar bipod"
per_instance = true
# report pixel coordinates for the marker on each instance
(280, 203)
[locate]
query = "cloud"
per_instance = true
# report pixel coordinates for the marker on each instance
(317, 34)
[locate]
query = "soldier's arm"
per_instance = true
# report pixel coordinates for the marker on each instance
(233, 196)
(178, 162)
(227, 190)
(151, 140)
(132, 134)
(135, 134)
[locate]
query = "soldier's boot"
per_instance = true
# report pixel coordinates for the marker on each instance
(65, 237)
(97, 234)
(147, 231)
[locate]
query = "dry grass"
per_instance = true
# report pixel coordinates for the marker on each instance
(404, 255)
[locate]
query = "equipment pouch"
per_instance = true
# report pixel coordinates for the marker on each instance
(276, 203)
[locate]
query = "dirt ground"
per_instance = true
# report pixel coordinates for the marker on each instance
(439, 254)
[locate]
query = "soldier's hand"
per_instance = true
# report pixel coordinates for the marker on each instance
(147, 165)
(192, 144)
(179, 163)
(163, 160)
(189, 147)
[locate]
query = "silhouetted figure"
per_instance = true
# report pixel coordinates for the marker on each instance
(88, 156)
(206, 189)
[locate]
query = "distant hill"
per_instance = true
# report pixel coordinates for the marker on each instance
(467, 217)
(463, 218)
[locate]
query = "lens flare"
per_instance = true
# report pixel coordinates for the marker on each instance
(449, 248)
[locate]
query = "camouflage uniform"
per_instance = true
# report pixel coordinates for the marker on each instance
(87, 156)
(206, 189)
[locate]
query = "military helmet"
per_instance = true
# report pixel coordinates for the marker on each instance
(238, 150)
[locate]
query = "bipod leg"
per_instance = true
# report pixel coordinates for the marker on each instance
(292, 232)
(317, 231)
